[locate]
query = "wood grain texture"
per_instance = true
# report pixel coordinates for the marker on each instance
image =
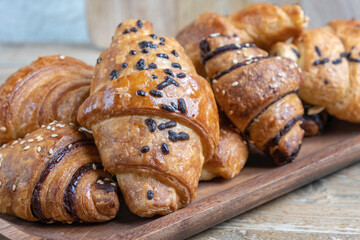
(327, 208)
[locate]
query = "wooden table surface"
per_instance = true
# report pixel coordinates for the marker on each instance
(325, 209)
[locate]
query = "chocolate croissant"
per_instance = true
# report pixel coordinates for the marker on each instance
(55, 174)
(262, 24)
(329, 58)
(154, 120)
(230, 155)
(257, 93)
(50, 88)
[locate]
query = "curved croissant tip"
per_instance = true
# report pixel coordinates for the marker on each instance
(106, 201)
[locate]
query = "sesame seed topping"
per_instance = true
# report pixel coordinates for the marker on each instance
(113, 184)
(152, 66)
(145, 51)
(113, 75)
(126, 31)
(140, 65)
(169, 72)
(337, 61)
(181, 105)
(174, 137)
(2, 129)
(235, 84)
(54, 135)
(14, 187)
(38, 149)
(165, 149)
(151, 123)
(181, 75)
(48, 127)
(100, 181)
(51, 151)
(317, 49)
(153, 36)
(42, 126)
(15, 142)
(174, 53)
(145, 149)
(169, 124)
(214, 81)
(154, 76)
(26, 147)
(22, 142)
(150, 194)
(141, 93)
(0, 184)
(98, 60)
(53, 129)
(124, 65)
(214, 35)
(139, 23)
(167, 108)
(94, 166)
(168, 81)
(69, 146)
(62, 57)
(30, 140)
(223, 92)
(132, 52)
(156, 93)
(162, 55)
(176, 65)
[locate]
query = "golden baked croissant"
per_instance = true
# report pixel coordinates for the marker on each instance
(257, 93)
(329, 58)
(154, 120)
(230, 155)
(55, 174)
(50, 88)
(262, 24)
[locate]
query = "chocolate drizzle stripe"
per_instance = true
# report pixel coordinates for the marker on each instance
(276, 139)
(55, 160)
(246, 131)
(240, 64)
(70, 192)
(282, 159)
(225, 48)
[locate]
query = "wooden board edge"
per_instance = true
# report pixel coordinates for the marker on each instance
(11, 232)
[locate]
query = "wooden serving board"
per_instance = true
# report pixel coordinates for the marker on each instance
(217, 200)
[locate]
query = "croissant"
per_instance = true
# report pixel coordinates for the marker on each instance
(314, 120)
(230, 155)
(329, 58)
(262, 24)
(55, 174)
(50, 88)
(154, 120)
(257, 93)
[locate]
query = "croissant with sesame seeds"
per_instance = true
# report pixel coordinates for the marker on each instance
(257, 93)
(330, 59)
(55, 174)
(50, 88)
(154, 120)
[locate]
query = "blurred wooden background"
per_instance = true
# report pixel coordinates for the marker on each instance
(169, 16)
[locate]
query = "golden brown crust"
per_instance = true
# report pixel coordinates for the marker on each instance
(50, 88)
(230, 155)
(268, 24)
(147, 105)
(258, 96)
(51, 175)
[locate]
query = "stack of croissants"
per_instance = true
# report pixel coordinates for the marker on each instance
(157, 115)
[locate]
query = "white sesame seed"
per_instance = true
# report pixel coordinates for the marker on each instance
(247, 45)
(100, 182)
(113, 184)
(223, 92)
(94, 166)
(26, 147)
(42, 126)
(30, 140)
(0, 184)
(238, 45)
(214, 35)
(281, 74)
(278, 57)
(214, 81)
(107, 179)
(53, 129)
(54, 135)
(3, 129)
(235, 84)
(50, 151)
(274, 85)
(48, 127)
(40, 139)
(62, 125)
(62, 57)
(217, 90)
(14, 187)
(22, 142)
(15, 142)
(52, 123)
(4, 145)
(234, 61)
(70, 145)
(71, 124)
(38, 148)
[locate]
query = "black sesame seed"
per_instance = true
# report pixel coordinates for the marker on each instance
(141, 93)
(174, 53)
(172, 81)
(165, 149)
(132, 52)
(133, 29)
(124, 65)
(183, 136)
(337, 61)
(150, 195)
(168, 71)
(145, 149)
(296, 52)
(172, 136)
(317, 62)
(162, 55)
(170, 124)
(176, 65)
(317, 49)
(181, 75)
(145, 51)
(182, 105)
(152, 66)
(156, 93)
(167, 108)
(162, 43)
(119, 25)
(325, 60)
(98, 60)
(113, 75)
(140, 65)
(153, 36)
(147, 44)
(162, 39)
(126, 31)
(154, 76)
(326, 81)
(151, 123)
(167, 82)
(343, 54)
(174, 105)
(139, 23)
